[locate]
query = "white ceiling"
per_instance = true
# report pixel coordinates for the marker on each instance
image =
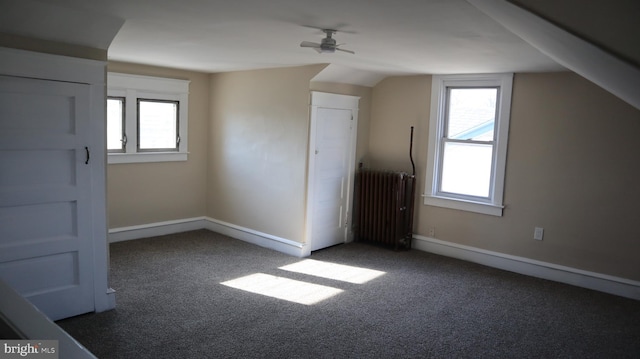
(389, 37)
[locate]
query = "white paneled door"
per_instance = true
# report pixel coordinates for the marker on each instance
(45, 194)
(333, 147)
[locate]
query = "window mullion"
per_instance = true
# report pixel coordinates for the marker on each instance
(131, 130)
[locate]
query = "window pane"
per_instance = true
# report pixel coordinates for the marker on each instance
(157, 125)
(466, 169)
(471, 113)
(115, 120)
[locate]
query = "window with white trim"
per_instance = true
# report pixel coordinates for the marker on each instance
(147, 118)
(116, 137)
(468, 133)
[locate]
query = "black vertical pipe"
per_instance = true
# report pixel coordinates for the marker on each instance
(411, 152)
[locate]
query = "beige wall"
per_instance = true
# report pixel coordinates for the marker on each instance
(258, 149)
(572, 168)
(144, 193)
(399, 103)
(248, 138)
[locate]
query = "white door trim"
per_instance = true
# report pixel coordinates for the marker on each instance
(342, 102)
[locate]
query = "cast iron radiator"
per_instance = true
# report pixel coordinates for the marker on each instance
(384, 207)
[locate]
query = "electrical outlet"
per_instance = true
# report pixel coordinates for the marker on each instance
(538, 233)
(432, 232)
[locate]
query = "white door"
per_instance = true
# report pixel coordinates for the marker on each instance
(45, 194)
(333, 165)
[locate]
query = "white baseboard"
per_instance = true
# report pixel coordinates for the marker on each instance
(279, 244)
(190, 224)
(156, 229)
(591, 280)
(581, 278)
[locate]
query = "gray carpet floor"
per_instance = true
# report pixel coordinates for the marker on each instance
(171, 304)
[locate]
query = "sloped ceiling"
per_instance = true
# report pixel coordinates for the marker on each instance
(611, 72)
(390, 38)
(402, 37)
(52, 22)
(612, 25)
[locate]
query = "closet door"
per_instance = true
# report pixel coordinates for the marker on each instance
(46, 246)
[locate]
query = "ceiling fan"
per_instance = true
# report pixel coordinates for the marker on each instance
(328, 44)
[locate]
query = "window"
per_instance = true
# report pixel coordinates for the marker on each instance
(158, 125)
(116, 139)
(468, 132)
(146, 118)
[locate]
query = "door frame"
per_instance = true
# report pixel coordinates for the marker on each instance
(334, 101)
(29, 64)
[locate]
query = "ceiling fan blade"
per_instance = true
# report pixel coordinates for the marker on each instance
(309, 44)
(337, 28)
(343, 50)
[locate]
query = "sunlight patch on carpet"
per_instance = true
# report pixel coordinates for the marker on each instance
(341, 272)
(283, 288)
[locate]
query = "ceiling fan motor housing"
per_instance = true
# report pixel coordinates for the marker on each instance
(328, 45)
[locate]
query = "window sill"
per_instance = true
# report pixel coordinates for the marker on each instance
(462, 205)
(114, 158)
